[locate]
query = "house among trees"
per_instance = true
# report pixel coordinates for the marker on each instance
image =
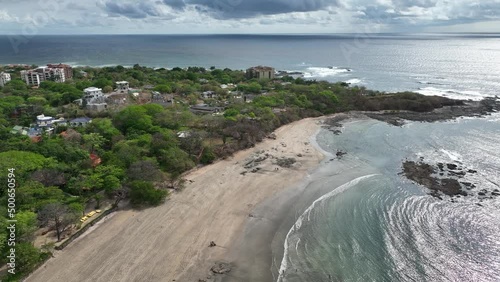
(208, 95)
(48, 122)
(44, 121)
(81, 121)
(57, 73)
(67, 69)
(4, 78)
(206, 109)
(93, 99)
(162, 99)
(260, 72)
(19, 130)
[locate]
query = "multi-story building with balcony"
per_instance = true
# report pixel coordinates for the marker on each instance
(36, 76)
(4, 78)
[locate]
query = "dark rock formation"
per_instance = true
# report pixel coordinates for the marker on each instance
(340, 154)
(425, 174)
(286, 162)
(221, 268)
(461, 109)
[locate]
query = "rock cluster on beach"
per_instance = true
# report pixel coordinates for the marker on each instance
(272, 160)
(221, 268)
(445, 179)
(334, 123)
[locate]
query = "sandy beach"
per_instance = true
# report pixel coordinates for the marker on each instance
(171, 242)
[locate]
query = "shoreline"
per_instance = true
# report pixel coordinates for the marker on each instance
(252, 254)
(171, 242)
(258, 254)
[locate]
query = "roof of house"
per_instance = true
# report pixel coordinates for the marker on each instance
(44, 118)
(81, 120)
(60, 65)
(261, 68)
(204, 107)
(19, 130)
(92, 89)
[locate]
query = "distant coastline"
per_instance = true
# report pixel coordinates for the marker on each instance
(449, 70)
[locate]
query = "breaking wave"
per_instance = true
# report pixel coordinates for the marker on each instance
(322, 72)
(452, 93)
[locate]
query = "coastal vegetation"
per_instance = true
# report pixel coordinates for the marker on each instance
(137, 152)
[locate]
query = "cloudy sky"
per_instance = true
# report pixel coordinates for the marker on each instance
(247, 16)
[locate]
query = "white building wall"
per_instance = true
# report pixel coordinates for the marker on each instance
(4, 78)
(31, 78)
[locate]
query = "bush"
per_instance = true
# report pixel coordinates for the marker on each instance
(144, 193)
(208, 156)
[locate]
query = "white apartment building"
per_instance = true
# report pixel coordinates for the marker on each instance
(94, 99)
(4, 78)
(122, 86)
(36, 76)
(92, 92)
(31, 78)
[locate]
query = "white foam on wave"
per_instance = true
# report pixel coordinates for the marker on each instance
(319, 72)
(71, 63)
(354, 81)
(430, 83)
(99, 66)
(454, 156)
(494, 117)
(306, 216)
(452, 93)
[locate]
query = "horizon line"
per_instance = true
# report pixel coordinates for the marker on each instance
(261, 34)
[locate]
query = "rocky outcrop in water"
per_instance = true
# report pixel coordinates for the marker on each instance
(334, 123)
(467, 109)
(446, 180)
(426, 175)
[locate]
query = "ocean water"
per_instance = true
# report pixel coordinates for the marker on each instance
(379, 226)
(463, 66)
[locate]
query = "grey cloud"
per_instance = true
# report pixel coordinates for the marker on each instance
(418, 3)
(387, 12)
(175, 4)
(227, 9)
(131, 10)
(221, 9)
(437, 11)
